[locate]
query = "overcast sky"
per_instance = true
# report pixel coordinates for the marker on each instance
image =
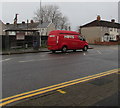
(78, 13)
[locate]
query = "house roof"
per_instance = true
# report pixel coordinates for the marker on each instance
(2, 24)
(22, 30)
(27, 25)
(43, 25)
(102, 23)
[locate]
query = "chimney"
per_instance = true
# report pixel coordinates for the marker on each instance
(32, 21)
(15, 19)
(7, 23)
(23, 22)
(98, 18)
(113, 20)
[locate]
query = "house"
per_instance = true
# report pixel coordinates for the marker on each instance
(23, 33)
(43, 28)
(101, 31)
(2, 28)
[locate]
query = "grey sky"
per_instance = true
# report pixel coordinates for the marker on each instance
(78, 13)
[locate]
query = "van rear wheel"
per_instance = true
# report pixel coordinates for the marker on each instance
(64, 49)
(74, 50)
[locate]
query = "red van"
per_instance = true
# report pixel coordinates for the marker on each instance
(66, 40)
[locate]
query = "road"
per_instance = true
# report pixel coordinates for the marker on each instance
(26, 72)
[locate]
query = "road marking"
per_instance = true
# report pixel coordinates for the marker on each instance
(55, 85)
(5, 60)
(42, 55)
(61, 91)
(26, 61)
(99, 52)
(40, 91)
(84, 54)
(40, 59)
(59, 84)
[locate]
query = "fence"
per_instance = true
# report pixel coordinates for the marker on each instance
(107, 43)
(11, 43)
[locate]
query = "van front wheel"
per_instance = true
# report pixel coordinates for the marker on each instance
(64, 49)
(85, 48)
(53, 51)
(74, 50)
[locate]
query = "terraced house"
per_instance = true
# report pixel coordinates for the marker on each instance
(101, 31)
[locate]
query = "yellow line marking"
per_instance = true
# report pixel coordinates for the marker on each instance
(54, 85)
(55, 88)
(61, 91)
(38, 93)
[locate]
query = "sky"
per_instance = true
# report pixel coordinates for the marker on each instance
(78, 13)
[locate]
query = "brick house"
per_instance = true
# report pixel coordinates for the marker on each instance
(101, 31)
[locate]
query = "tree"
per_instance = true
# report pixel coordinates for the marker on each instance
(51, 13)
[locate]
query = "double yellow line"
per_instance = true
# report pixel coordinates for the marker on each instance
(40, 91)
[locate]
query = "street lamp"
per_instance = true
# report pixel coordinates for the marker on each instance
(40, 23)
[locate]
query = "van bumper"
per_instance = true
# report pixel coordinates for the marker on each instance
(53, 47)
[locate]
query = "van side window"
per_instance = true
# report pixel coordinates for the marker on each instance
(69, 36)
(81, 38)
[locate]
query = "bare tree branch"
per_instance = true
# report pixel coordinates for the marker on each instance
(51, 13)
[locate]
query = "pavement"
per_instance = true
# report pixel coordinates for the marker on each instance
(98, 92)
(24, 51)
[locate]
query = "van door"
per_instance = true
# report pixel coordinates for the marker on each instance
(52, 40)
(81, 42)
(69, 41)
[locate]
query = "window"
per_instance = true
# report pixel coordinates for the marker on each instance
(12, 33)
(69, 36)
(110, 29)
(117, 30)
(81, 38)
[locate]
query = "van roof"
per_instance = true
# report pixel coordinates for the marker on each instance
(63, 31)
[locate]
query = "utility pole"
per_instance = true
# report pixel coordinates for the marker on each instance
(40, 23)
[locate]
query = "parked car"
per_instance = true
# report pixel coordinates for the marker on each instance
(66, 40)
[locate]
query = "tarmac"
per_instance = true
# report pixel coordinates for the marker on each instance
(102, 91)
(97, 92)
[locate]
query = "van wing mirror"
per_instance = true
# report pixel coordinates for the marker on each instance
(84, 39)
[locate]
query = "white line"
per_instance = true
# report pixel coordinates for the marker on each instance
(26, 61)
(99, 52)
(42, 55)
(5, 60)
(40, 60)
(84, 54)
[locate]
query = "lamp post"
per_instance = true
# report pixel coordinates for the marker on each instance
(40, 23)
